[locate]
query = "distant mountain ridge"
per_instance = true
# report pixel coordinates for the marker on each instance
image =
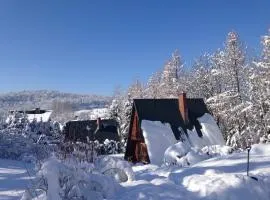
(46, 98)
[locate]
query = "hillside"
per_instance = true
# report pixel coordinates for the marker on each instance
(46, 99)
(63, 104)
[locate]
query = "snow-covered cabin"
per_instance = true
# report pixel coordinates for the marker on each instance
(158, 123)
(35, 114)
(100, 130)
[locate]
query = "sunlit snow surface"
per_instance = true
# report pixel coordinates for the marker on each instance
(220, 178)
(14, 179)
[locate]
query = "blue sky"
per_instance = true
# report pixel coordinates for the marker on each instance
(93, 46)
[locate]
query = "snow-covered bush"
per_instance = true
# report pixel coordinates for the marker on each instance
(60, 180)
(64, 180)
(183, 155)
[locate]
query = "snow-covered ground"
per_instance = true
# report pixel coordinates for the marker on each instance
(220, 178)
(14, 179)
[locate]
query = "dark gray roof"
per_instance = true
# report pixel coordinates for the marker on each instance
(34, 111)
(79, 130)
(167, 111)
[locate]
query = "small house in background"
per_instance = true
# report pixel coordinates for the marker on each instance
(35, 114)
(181, 115)
(100, 130)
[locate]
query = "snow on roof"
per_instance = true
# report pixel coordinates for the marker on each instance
(40, 117)
(211, 134)
(158, 137)
(93, 113)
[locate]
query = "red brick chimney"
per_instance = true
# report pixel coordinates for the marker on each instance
(182, 101)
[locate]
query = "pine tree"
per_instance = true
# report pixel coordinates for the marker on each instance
(234, 64)
(170, 76)
(230, 102)
(200, 85)
(260, 92)
(153, 86)
(136, 90)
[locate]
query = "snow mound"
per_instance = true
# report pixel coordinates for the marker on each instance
(175, 152)
(263, 149)
(158, 137)
(224, 177)
(115, 167)
(212, 185)
(182, 154)
(217, 150)
(184, 158)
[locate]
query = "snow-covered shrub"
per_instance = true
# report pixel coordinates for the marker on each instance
(80, 151)
(109, 147)
(184, 155)
(88, 151)
(61, 180)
